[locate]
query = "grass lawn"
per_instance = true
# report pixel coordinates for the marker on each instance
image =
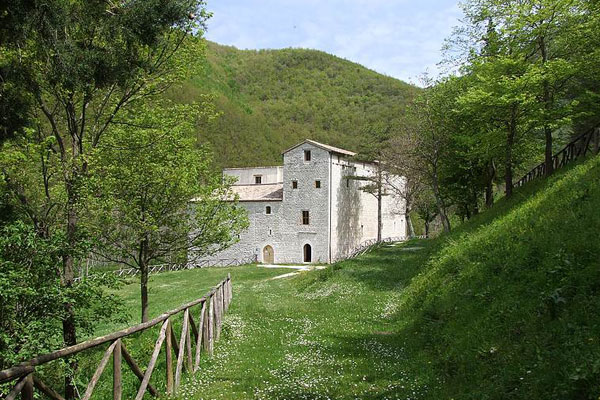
(167, 291)
(294, 338)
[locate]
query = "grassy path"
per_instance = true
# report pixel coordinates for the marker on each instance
(308, 338)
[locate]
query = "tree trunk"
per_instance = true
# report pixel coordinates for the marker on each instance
(489, 188)
(426, 228)
(379, 221)
(144, 279)
(548, 153)
(439, 203)
(68, 323)
(547, 99)
(409, 226)
(144, 290)
(510, 139)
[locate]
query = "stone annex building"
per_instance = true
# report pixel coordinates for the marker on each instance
(308, 211)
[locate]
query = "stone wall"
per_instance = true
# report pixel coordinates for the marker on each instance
(245, 176)
(355, 211)
(264, 230)
(305, 198)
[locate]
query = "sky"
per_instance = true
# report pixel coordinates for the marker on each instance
(398, 38)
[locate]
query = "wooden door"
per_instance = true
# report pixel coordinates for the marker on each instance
(268, 255)
(307, 253)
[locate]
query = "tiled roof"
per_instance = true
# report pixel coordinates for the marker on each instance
(265, 192)
(325, 147)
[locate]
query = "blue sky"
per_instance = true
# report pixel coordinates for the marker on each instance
(400, 38)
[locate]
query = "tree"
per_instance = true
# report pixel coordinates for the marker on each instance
(83, 63)
(376, 137)
(426, 207)
(542, 29)
(32, 297)
(140, 195)
(421, 145)
(407, 188)
(537, 34)
(500, 99)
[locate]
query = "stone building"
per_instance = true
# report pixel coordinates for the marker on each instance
(311, 209)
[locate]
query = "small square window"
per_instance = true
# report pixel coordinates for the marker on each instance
(268, 210)
(294, 184)
(257, 179)
(307, 155)
(305, 218)
(318, 184)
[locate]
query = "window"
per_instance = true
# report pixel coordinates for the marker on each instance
(307, 155)
(258, 179)
(268, 210)
(347, 182)
(318, 184)
(305, 218)
(294, 184)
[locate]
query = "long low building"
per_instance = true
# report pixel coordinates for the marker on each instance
(312, 209)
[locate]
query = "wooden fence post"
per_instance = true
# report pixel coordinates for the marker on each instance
(117, 384)
(211, 325)
(181, 355)
(99, 370)
(201, 339)
(188, 346)
(27, 392)
(223, 298)
(169, 357)
(152, 363)
(218, 304)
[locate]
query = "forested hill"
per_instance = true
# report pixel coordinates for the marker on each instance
(271, 99)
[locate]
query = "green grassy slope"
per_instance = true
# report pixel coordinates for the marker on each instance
(272, 99)
(508, 307)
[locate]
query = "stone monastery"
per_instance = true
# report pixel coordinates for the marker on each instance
(309, 210)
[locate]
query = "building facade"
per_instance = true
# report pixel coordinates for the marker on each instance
(311, 209)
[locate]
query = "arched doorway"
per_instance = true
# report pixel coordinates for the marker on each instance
(268, 255)
(307, 253)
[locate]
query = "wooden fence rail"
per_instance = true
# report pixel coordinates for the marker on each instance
(155, 269)
(369, 245)
(199, 335)
(582, 145)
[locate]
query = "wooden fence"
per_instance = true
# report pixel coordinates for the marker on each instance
(369, 245)
(156, 269)
(208, 329)
(582, 145)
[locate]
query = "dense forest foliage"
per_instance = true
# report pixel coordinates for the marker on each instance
(269, 100)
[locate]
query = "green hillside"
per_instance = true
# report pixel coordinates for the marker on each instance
(272, 99)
